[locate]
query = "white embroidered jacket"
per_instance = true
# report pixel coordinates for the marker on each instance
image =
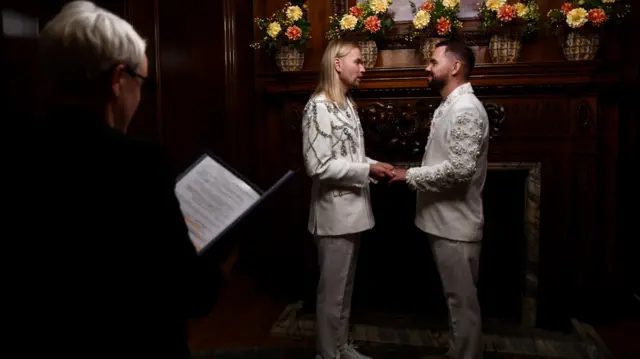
(333, 149)
(452, 176)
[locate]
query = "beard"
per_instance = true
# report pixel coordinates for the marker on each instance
(437, 83)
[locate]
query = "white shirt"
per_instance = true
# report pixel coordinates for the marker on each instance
(451, 178)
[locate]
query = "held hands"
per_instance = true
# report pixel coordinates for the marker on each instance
(381, 171)
(399, 175)
(385, 171)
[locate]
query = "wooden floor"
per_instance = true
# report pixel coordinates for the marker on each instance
(244, 315)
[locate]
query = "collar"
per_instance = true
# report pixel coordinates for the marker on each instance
(459, 91)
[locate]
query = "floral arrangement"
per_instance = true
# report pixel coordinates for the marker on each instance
(435, 18)
(368, 20)
(289, 27)
(520, 17)
(587, 14)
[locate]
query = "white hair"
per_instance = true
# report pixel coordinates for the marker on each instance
(84, 40)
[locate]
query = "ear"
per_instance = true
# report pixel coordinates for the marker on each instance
(337, 64)
(457, 68)
(116, 80)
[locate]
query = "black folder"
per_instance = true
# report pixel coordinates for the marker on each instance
(263, 195)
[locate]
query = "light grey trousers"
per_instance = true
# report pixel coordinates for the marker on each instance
(337, 257)
(458, 264)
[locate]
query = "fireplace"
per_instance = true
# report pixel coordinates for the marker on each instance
(396, 272)
(543, 247)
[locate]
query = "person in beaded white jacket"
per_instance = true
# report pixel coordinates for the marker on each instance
(340, 208)
(449, 185)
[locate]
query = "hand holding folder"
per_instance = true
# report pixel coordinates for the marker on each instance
(214, 198)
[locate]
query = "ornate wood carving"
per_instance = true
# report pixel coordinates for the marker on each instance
(395, 130)
(584, 114)
(340, 6)
(398, 129)
(497, 116)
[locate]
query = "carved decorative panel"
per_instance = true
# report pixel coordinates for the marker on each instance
(397, 130)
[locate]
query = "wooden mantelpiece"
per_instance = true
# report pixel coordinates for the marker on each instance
(546, 74)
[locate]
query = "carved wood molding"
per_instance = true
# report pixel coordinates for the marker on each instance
(398, 129)
(504, 77)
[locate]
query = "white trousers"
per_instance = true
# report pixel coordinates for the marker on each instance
(458, 264)
(337, 257)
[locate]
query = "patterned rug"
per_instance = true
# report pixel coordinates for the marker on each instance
(380, 351)
(406, 336)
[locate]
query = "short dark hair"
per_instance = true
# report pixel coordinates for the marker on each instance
(463, 53)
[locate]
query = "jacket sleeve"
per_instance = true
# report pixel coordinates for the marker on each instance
(464, 140)
(320, 159)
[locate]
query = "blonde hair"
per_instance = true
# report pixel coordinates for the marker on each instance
(329, 81)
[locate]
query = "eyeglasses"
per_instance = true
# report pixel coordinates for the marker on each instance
(144, 79)
(147, 84)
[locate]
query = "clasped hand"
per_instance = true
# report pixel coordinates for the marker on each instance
(386, 171)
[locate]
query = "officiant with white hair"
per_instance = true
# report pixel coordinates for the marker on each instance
(104, 266)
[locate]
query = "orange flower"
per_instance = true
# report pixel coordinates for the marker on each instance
(566, 7)
(293, 32)
(443, 26)
(372, 24)
(506, 12)
(597, 16)
(428, 6)
(356, 11)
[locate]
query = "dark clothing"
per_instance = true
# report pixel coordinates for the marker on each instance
(104, 265)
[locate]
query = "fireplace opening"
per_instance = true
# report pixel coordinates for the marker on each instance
(396, 271)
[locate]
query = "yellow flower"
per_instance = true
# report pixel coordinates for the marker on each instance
(577, 17)
(495, 4)
(450, 3)
(521, 9)
(274, 29)
(421, 20)
(379, 6)
(294, 13)
(348, 22)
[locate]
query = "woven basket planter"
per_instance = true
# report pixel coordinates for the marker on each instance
(579, 46)
(427, 45)
(369, 51)
(289, 59)
(504, 49)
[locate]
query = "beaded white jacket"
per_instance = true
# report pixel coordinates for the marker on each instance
(450, 181)
(335, 159)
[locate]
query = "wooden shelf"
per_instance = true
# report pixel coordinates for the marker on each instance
(564, 73)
